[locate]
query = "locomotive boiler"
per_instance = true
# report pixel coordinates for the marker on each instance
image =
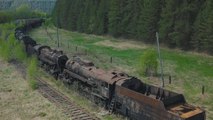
(51, 59)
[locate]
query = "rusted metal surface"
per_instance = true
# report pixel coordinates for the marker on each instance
(52, 60)
(132, 97)
(39, 47)
(154, 108)
(88, 70)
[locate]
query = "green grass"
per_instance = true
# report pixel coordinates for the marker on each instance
(32, 73)
(33, 84)
(189, 71)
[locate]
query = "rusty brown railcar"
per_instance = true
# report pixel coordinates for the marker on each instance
(154, 103)
(129, 96)
(93, 81)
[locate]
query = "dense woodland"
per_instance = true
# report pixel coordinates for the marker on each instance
(186, 24)
(22, 12)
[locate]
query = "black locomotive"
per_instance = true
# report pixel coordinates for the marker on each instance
(116, 91)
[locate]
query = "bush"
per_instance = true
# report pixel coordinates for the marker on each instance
(5, 17)
(19, 52)
(6, 30)
(32, 72)
(148, 63)
(5, 48)
(10, 48)
(48, 22)
(23, 11)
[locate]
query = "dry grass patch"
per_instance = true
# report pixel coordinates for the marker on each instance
(19, 102)
(123, 45)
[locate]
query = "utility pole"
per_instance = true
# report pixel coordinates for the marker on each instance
(161, 61)
(57, 30)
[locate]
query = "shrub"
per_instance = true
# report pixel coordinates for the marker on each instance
(148, 63)
(8, 47)
(6, 29)
(5, 17)
(5, 50)
(32, 72)
(48, 22)
(19, 52)
(23, 11)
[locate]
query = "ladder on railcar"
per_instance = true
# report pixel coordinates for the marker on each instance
(112, 105)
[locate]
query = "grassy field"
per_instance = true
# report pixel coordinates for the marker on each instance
(190, 71)
(19, 102)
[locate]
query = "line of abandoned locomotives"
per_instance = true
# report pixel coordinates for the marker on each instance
(114, 90)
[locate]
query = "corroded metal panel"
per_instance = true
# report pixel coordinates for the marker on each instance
(137, 105)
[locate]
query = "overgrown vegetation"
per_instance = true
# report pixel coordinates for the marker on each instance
(22, 12)
(11, 49)
(32, 72)
(185, 24)
(148, 64)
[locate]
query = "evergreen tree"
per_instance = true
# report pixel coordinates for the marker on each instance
(115, 18)
(167, 21)
(91, 17)
(149, 16)
(80, 27)
(202, 37)
(208, 41)
(177, 21)
(63, 17)
(102, 17)
(75, 17)
(130, 12)
(181, 23)
(57, 13)
(72, 16)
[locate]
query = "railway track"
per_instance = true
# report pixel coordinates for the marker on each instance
(72, 110)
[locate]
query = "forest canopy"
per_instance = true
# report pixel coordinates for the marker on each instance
(22, 12)
(186, 24)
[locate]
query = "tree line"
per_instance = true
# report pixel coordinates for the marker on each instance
(22, 12)
(186, 24)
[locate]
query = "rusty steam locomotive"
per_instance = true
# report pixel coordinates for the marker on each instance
(116, 91)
